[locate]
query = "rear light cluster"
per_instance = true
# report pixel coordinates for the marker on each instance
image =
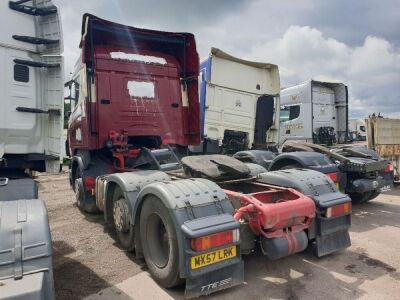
(89, 183)
(389, 168)
(204, 243)
(338, 210)
(334, 176)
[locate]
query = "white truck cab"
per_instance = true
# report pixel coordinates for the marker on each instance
(237, 102)
(314, 111)
(31, 82)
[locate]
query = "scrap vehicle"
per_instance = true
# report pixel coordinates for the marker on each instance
(31, 120)
(383, 135)
(241, 113)
(136, 94)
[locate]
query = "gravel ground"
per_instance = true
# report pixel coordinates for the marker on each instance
(87, 259)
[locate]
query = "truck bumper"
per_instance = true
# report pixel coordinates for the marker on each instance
(382, 183)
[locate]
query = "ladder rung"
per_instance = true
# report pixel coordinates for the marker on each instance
(34, 40)
(31, 10)
(35, 64)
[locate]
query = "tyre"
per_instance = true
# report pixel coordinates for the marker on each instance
(159, 243)
(121, 218)
(359, 198)
(374, 194)
(84, 200)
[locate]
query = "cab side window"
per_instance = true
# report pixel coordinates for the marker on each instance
(289, 112)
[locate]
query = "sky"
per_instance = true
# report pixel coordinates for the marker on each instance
(355, 42)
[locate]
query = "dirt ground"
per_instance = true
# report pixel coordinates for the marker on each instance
(87, 259)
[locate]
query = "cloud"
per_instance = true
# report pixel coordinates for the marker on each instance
(356, 42)
(371, 71)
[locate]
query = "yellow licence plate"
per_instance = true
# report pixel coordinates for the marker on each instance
(209, 258)
(337, 185)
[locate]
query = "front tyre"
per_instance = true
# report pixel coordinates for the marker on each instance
(159, 242)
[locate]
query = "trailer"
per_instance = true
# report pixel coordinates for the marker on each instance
(136, 105)
(383, 135)
(31, 120)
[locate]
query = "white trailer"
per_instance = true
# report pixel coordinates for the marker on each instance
(315, 112)
(237, 101)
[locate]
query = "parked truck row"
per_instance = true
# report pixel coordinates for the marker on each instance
(190, 217)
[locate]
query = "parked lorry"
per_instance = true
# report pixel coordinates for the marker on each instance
(191, 219)
(241, 112)
(318, 113)
(31, 82)
(314, 112)
(383, 135)
(357, 130)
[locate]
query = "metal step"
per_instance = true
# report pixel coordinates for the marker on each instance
(34, 40)
(31, 10)
(35, 64)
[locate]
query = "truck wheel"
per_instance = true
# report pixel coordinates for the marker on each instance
(84, 201)
(361, 197)
(123, 227)
(374, 195)
(159, 242)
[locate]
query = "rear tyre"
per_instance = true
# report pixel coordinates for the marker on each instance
(159, 242)
(84, 200)
(359, 198)
(374, 194)
(123, 227)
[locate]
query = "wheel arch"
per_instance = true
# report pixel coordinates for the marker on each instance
(280, 162)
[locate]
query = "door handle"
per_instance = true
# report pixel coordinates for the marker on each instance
(288, 131)
(174, 105)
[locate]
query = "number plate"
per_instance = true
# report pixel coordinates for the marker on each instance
(209, 258)
(337, 185)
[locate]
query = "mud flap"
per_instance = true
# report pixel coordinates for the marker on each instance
(333, 235)
(215, 281)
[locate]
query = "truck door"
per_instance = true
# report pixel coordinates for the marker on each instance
(293, 122)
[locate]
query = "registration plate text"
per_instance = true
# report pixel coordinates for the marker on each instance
(209, 258)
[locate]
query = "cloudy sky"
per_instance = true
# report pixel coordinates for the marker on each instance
(355, 42)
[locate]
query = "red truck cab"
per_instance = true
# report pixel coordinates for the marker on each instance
(126, 94)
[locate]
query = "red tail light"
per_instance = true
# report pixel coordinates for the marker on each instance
(338, 210)
(215, 240)
(89, 183)
(389, 168)
(333, 176)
